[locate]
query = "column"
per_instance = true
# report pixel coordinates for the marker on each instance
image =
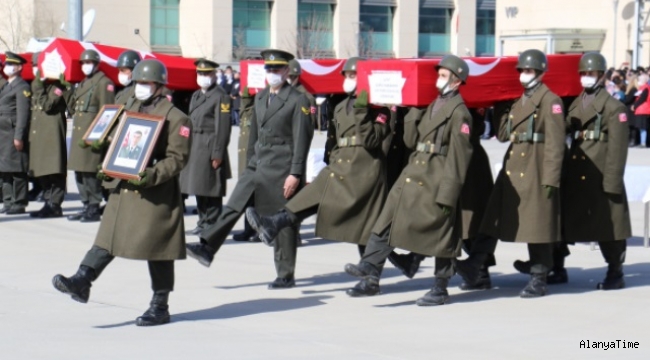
(284, 25)
(406, 29)
(346, 28)
(463, 28)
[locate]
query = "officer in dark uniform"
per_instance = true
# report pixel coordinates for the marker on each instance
(15, 115)
(47, 141)
(525, 203)
(144, 217)
(208, 170)
(281, 133)
(95, 91)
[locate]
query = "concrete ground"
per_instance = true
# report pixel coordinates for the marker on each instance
(226, 311)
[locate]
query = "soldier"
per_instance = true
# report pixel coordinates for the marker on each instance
(422, 211)
(47, 141)
(294, 80)
(126, 62)
(144, 218)
(15, 114)
(95, 91)
(209, 168)
(245, 114)
(525, 203)
(6, 200)
(281, 133)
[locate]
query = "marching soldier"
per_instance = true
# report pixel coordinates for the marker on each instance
(294, 80)
(245, 114)
(47, 141)
(126, 62)
(422, 211)
(15, 115)
(594, 200)
(144, 218)
(209, 168)
(525, 203)
(5, 201)
(95, 91)
(281, 133)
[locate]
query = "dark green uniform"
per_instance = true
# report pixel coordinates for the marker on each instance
(210, 114)
(245, 115)
(312, 102)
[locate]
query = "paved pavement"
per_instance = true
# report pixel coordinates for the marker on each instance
(226, 311)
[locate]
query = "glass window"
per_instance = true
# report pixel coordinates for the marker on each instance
(315, 25)
(164, 22)
(485, 24)
(251, 24)
(376, 25)
(434, 31)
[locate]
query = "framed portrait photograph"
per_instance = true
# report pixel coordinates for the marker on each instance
(103, 123)
(133, 145)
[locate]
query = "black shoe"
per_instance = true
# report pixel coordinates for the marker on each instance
(246, 235)
(78, 216)
(613, 279)
(408, 264)
(158, 312)
(362, 270)
(557, 276)
(268, 227)
(282, 283)
(200, 252)
(522, 266)
(55, 211)
(368, 286)
(196, 231)
(438, 294)
(92, 214)
(536, 287)
(483, 283)
(78, 285)
(42, 212)
(470, 270)
(16, 210)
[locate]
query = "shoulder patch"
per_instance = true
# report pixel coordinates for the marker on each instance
(622, 117)
(225, 108)
(184, 132)
(27, 93)
(110, 87)
(58, 91)
(464, 129)
(393, 108)
(381, 118)
(557, 109)
(312, 109)
(305, 111)
(169, 97)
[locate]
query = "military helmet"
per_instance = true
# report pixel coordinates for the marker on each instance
(150, 70)
(532, 59)
(351, 64)
(592, 61)
(456, 65)
(90, 55)
(294, 67)
(128, 59)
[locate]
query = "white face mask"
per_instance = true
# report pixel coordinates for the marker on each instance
(526, 80)
(35, 71)
(9, 70)
(124, 79)
(87, 69)
(274, 79)
(349, 85)
(143, 91)
(204, 81)
(443, 86)
(588, 82)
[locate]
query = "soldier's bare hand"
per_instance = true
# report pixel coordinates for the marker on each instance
(216, 163)
(290, 186)
(18, 144)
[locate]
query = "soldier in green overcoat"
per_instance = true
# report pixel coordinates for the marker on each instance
(294, 80)
(143, 219)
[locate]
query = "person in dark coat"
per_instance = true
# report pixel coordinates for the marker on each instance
(143, 219)
(15, 115)
(628, 101)
(47, 141)
(281, 133)
(208, 170)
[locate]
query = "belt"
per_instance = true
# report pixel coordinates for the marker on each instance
(348, 141)
(272, 141)
(203, 131)
(431, 149)
(517, 138)
(589, 135)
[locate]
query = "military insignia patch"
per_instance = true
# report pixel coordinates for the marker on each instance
(225, 107)
(110, 87)
(58, 92)
(312, 109)
(464, 129)
(622, 117)
(393, 108)
(305, 111)
(169, 98)
(27, 93)
(557, 109)
(381, 118)
(184, 131)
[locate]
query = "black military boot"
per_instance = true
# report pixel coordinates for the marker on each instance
(78, 216)
(268, 227)
(484, 281)
(158, 312)
(282, 283)
(438, 294)
(42, 213)
(522, 266)
(78, 285)
(201, 252)
(362, 270)
(408, 264)
(557, 275)
(92, 214)
(470, 269)
(536, 287)
(368, 286)
(55, 211)
(614, 278)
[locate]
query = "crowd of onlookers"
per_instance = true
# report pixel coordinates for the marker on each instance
(630, 86)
